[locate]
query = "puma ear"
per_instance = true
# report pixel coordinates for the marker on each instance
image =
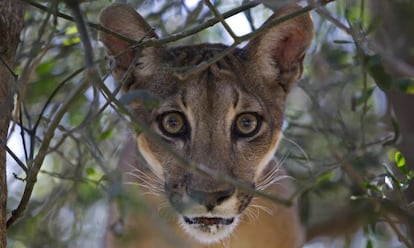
(278, 53)
(125, 21)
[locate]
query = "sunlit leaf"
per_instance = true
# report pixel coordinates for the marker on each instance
(72, 41)
(72, 37)
(324, 177)
(399, 160)
(71, 30)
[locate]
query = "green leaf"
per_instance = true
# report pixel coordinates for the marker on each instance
(71, 30)
(369, 244)
(352, 14)
(406, 85)
(399, 160)
(71, 41)
(72, 36)
(48, 75)
(78, 111)
(378, 73)
(106, 134)
(410, 175)
(46, 67)
(88, 193)
(372, 187)
(90, 171)
(324, 177)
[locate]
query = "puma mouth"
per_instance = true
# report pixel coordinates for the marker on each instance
(209, 230)
(209, 221)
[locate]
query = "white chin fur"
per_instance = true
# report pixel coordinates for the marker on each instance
(208, 234)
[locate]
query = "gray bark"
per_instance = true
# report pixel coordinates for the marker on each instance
(11, 23)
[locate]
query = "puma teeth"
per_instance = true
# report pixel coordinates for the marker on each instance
(209, 229)
(209, 221)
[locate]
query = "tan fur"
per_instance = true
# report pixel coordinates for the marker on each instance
(250, 85)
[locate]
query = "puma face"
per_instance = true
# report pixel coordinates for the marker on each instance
(226, 118)
(215, 123)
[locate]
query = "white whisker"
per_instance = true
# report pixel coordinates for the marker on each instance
(251, 214)
(272, 176)
(146, 180)
(148, 189)
(305, 155)
(262, 208)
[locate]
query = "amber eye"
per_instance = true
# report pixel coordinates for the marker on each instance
(247, 124)
(173, 124)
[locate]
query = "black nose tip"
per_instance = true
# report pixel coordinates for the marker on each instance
(211, 199)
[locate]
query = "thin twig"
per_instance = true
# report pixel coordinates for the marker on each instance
(364, 42)
(155, 42)
(7, 66)
(83, 32)
(16, 159)
(36, 165)
(54, 92)
(408, 218)
(221, 18)
(71, 178)
(239, 40)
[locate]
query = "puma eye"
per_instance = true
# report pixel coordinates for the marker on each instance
(173, 124)
(247, 124)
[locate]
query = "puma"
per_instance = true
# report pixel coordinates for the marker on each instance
(226, 118)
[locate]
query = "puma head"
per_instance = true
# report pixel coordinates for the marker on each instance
(227, 118)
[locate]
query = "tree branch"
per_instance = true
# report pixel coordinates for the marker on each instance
(34, 167)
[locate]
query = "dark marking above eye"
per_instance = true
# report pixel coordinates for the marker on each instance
(236, 97)
(183, 97)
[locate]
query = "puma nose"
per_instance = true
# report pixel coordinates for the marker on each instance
(210, 199)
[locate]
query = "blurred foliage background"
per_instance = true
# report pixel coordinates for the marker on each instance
(341, 141)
